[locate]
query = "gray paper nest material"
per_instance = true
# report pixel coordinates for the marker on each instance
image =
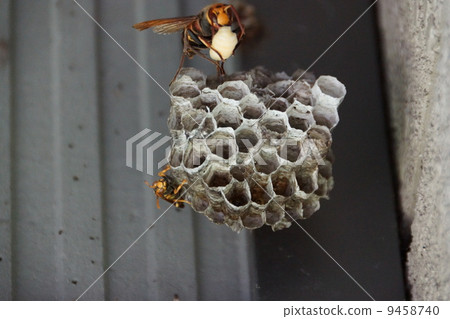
(256, 149)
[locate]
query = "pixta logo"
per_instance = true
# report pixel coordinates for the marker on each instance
(143, 145)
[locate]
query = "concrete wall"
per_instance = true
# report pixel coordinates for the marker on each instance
(416, 38)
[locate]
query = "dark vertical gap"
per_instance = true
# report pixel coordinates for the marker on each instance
(404, 233)
(101, 138)
(183, 8)
(289, 265)
(12, 121)
(57, 170)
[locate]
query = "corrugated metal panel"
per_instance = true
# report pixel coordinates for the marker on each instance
(57, 205)
(5, 152)
(77, 98)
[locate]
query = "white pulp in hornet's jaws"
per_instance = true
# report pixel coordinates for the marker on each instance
(224, 41)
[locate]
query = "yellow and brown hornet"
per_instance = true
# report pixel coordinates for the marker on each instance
(164, 188)
(217, 28)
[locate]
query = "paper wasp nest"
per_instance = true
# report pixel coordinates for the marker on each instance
(255, 150)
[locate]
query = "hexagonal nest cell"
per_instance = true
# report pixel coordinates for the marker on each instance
(256, 147)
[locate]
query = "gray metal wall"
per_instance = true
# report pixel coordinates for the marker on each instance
(70, 97)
